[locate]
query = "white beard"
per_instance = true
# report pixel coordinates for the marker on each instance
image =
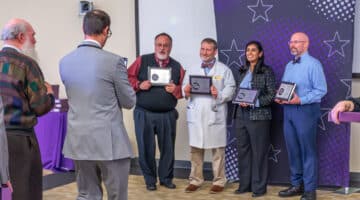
(161, 56)
(29, 50)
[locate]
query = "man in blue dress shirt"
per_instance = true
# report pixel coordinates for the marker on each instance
(301, 115)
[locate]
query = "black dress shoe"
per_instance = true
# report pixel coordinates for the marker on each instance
(169, 185)
(308, 196)
(151, 187)
(241, 191)
(258, 194)
(292, 191)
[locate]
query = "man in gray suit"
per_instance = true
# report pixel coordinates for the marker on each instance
(97, 88)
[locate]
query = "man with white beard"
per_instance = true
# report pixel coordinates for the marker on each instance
(25, 96)
(155, 112)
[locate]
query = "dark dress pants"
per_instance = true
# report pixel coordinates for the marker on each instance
(300, 125)
(147, 125)
(253, 148)
(25, 165)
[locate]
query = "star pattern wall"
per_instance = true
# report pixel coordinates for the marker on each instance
(336, 45)
(233, 55)
(260, 11)
(329, 25)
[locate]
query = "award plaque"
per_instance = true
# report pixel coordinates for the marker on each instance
(285, 91)
(159, 76)
(245, 95)
(200, 84)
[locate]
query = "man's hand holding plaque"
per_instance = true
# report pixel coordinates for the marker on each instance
(170, 87)
(145, 85)
(187, 90)
(214, 91)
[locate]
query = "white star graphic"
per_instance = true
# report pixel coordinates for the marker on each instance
(260, 11)
(233, 54)
(336, 45)
(347, 83)
(324, 118)
(274, 153)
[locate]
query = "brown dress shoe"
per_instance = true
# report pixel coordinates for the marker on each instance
(216, 189)
(191, 188)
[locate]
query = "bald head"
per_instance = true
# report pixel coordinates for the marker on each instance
(13, 28)
(299, 43)
(20, 34)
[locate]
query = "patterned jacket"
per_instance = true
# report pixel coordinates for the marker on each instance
(22, 90)
(263, 79)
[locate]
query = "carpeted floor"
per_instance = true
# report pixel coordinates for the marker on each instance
(61, 187)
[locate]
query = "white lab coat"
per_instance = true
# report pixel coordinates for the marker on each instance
(206, 116)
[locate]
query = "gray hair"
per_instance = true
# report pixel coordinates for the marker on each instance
(12, 31)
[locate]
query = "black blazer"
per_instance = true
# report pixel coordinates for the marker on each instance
(263, 79)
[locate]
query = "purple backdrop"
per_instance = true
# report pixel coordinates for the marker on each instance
(329, 25)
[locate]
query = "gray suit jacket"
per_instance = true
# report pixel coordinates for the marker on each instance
(97, 88)
(4, 155)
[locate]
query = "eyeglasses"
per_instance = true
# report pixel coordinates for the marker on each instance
(165, 45)
(296, 42)
(109, 33)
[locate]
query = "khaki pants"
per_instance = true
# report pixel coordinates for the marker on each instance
(218, 165)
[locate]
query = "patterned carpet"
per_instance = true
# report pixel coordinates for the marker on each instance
(137, 191)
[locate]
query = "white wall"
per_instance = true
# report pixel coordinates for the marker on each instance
(355, 134)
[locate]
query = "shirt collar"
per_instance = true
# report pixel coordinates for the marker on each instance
(300, 58)
(162, 63)
(12, 46)
(93, 41)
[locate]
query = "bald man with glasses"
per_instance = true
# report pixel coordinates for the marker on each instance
(301, 115)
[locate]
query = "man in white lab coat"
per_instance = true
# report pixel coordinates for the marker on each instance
(206, 116)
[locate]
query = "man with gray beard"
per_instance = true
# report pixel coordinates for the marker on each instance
(25, 96)
(155, 114)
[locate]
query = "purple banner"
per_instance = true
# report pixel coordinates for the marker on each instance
(329, 25)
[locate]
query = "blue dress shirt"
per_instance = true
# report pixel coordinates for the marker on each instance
(308, 75)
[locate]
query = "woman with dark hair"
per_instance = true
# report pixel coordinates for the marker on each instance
(252, 122)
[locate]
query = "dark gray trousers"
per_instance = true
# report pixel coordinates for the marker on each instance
(25, 165)
(114, 173)
(163, 125)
